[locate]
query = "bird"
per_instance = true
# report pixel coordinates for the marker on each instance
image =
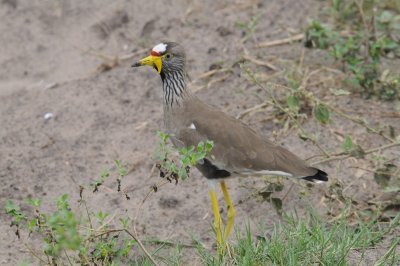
(238, 150)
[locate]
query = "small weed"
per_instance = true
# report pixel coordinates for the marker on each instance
(318, 35)
(249, 28)
(69, 239)
(97, 183)
(311, 241)
(369, 35)
(321, 113)
(186, 159)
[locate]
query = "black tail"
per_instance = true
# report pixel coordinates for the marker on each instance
(319, 176)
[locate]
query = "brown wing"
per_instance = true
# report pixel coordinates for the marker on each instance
(237, 147)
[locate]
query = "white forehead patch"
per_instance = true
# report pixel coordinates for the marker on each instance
(160, 48)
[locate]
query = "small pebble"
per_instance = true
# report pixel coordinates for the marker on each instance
(50, 86)
(48, 116)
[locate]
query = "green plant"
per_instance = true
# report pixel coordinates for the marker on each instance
(249, 28)
(69, 237)
(98, 182)
(188, 157)
(318, 35)
(359, 41)
(299, 241)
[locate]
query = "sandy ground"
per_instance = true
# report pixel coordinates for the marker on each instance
(48, 65)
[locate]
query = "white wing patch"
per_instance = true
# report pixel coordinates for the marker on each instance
(265, 172)
(192, 126)
(160, 48)
(318, 181)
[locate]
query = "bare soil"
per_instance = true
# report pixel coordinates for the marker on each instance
(51, 63)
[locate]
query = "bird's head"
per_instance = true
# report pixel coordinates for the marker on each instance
(164, 57)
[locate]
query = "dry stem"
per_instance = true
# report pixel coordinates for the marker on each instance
(252, 109)
(347, 155)
(297, 37)
(134, 238)
(260, 62)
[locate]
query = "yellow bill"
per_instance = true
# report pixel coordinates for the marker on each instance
(151, 60)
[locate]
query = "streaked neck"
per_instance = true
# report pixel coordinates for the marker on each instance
(174, 88)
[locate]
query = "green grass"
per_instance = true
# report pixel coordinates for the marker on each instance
(312, 240)
(360, 39)
(308, 242)
(75, 234)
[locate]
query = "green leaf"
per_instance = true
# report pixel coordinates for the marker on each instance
(347, 144)
(199, 157)
(185, 160)
(104, 173)
(183, 174)
(121, 168)
(200, 146)
(33, 202)
(15, 211)
(303, 136)
(11, 207)
(321, 113)
(339, 92)
(102, 215)
(293, 103)
(124, 222)
(62, 202)
(184, 151)
(32, 224)
(209, 145)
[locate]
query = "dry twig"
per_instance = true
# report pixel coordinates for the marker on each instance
(294, 38)
(358, 121)
(210, 73)
(134, 238)
(260, 62)
(252, 109)
(343, 156)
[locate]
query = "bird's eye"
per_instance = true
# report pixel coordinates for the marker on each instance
(168, 56)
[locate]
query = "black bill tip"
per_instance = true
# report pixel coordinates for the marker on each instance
(137, 64)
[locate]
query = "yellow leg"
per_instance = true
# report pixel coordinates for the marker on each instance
(217, 218)
(231, 211)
